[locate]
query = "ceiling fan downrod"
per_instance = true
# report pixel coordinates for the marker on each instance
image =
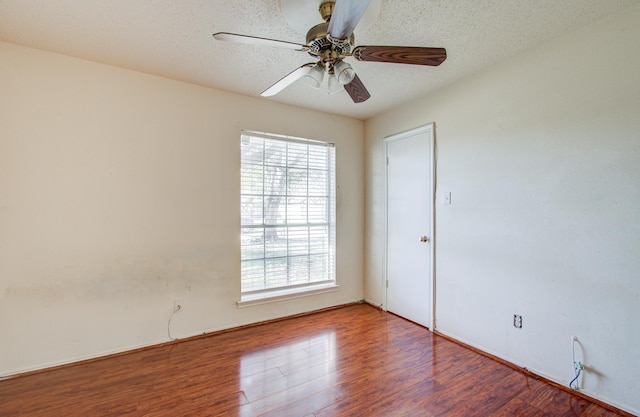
(326, 10)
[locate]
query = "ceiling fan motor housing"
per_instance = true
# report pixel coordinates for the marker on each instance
(321, 47)
(320, 43)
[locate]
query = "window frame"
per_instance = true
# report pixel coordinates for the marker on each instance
(328, 281)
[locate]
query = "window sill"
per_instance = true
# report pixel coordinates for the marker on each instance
(288, 294)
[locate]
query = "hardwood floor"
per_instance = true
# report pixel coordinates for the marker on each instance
(350, 361)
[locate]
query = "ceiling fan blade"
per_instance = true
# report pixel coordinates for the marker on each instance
(287, 80)
(345, 17)
(401, 54)
(254, 40)
(357, 90)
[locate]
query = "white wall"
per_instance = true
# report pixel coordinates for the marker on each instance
(119, 193)
(542, 156)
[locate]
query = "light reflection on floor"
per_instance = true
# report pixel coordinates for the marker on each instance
(266, 372)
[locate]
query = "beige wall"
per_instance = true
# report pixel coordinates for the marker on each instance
(541, 154)
(119, 194)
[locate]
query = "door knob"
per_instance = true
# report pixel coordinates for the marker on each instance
(424, 239)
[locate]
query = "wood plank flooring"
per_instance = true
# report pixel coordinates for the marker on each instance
(351, 361)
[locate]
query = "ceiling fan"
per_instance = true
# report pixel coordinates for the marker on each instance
(332, 41)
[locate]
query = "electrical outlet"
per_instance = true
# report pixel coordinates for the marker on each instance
(517, 321)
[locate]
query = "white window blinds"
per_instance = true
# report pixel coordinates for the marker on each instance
(287, 213)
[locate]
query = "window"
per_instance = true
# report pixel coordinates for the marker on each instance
(287, 214)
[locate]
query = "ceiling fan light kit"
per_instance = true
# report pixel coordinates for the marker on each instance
(315, 75)
(330, 43)
(344, 71)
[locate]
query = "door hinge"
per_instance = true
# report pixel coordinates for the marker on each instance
(387, 160)
(387, 283)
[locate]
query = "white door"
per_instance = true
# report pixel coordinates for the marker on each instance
(409, 251)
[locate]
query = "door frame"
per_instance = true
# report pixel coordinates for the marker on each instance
(430, 130)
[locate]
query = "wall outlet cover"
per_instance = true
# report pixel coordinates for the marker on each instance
(517, 321)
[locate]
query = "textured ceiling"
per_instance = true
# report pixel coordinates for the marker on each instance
(172, 38)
